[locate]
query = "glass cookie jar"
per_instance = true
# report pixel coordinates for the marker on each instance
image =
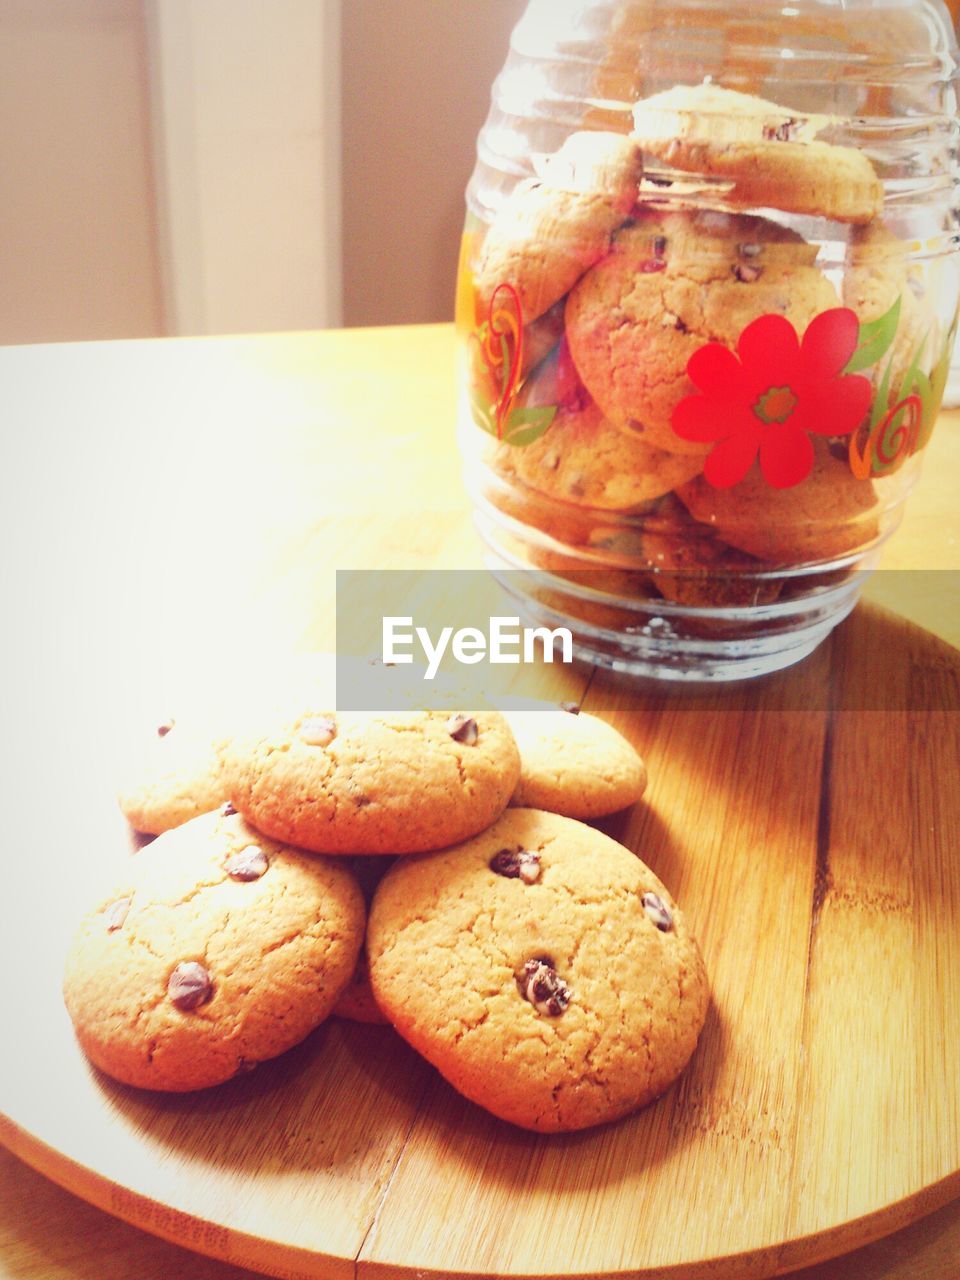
(706, 305)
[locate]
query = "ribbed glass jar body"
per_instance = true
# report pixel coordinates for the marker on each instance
(706, 303)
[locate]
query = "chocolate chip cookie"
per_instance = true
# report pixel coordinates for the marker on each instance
(356, 1002)
(574, 763)
(771, 156)
(371, 783)
(687, 563)
(829, 514)
(542, 968)
(173, 775)
(553, 227)
(583, 459)
(672, 282)
(217, 949)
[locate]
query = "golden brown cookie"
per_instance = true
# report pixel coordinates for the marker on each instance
(583, 459)
(217, 949)
(554, 227)
(587, 591)
(365, 782)
(829, 514)
(770, 154)
(673, 282)
(687, 563)
(356, 1002)
(542, 968)
(174, 775)
(574, 764)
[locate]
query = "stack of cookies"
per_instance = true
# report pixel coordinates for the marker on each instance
(427, 869)
(690, 447)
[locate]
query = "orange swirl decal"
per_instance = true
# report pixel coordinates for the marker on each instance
(890, 442)
(503, 348)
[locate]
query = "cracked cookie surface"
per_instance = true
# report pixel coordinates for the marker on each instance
(552, 997)
(216, 949)
(672, 282)
(553, 227)
(367, 783)
(574, 764)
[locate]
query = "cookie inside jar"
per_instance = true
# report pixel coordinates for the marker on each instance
(707, 297)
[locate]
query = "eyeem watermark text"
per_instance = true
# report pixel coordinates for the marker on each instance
(506, 642)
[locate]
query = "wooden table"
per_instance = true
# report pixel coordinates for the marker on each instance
(315, 452)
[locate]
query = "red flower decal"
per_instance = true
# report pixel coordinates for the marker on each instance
(771, 396)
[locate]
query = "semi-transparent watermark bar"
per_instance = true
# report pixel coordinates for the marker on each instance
(518, 638)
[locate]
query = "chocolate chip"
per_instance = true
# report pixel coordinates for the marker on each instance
(781, 132)
(540, 984)
(463, 728)
(658, 911)
(227, 810)
(189, 985)
(572, 707)
(318, 731)
(117, 914)
(650, 265)
(746, 272)
(248, 864)
(517, 864)
(164, 729)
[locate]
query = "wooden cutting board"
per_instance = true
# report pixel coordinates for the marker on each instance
(810, 826)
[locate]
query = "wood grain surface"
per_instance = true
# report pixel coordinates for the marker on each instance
(193, 514)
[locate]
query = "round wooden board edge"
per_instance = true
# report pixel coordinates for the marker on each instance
(286, 1262)
(225, 1244)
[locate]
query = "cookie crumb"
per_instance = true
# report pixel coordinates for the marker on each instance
(117, 914)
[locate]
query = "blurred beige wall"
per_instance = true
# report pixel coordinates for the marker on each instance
(416, 79)
(77, 241)
(179, 166)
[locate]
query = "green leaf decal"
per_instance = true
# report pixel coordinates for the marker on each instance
(526, 425)
(881, 401)
(938, 381)
(875, 340)
(483, 415)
